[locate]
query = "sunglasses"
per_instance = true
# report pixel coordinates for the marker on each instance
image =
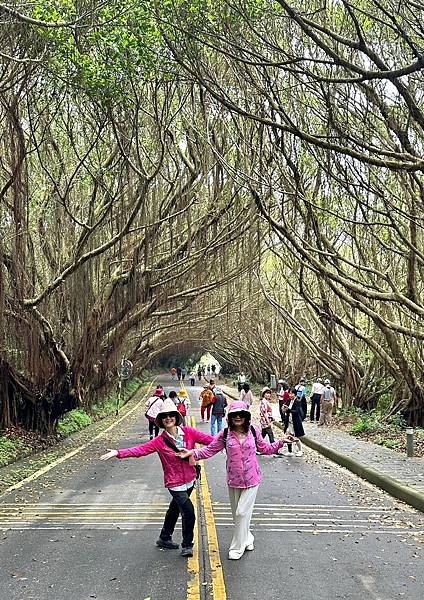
(166, 415)
(234, 415)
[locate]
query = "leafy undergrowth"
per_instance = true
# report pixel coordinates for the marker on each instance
(17, 443)
(372, 427)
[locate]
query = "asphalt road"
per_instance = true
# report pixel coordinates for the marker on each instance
(87, 529)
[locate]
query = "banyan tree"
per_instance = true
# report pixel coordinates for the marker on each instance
(246, 179)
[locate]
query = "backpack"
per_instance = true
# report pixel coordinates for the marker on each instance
(300, 391)
(328, 394)
(181, 407)
(225, 435)
(218, 407)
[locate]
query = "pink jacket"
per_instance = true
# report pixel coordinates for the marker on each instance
(175, 470)
(242, 466)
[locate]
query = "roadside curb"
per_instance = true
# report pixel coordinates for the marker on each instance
(385, 482)
(392, 486)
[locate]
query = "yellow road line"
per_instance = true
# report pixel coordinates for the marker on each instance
(193, 584)
(193, 564)
(64, 458)
(218, 584)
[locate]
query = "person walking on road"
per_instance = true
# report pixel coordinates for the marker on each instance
(153, 406)
(328, 398)
(206, 397)
(241, 380)
(199, 372)
(265, 414)
(301, 396)
(316, 393)
(241, 440)
(246, 395)
(283, 398)
(293, 423)
(219, 403)
(173, 373)
(179, 475)
(182, 402)
(192, 378)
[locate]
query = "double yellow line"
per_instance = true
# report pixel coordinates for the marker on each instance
(193, 566)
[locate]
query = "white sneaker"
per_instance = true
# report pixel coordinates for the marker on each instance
(289, 454)
(299, 453)
(250, 547)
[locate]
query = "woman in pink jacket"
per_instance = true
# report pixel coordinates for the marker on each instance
(241, 441)
(179, 475)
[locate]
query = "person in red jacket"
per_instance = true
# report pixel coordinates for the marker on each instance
(179, 475)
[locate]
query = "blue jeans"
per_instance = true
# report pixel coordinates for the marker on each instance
(216, 424)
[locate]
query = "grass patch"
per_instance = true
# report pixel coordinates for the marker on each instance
(78, 419)
(366, 422)
(374, 426)
(394, 444)
(73, 421)
(10, 449)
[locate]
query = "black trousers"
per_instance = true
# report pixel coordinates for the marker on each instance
(268, 431)
(152, 427)
(180, 504)
(315, 407)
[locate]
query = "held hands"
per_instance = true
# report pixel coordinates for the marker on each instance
(289, 439)
(109, 454)
(184, 453)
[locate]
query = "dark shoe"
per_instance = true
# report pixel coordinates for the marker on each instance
(188, 551)
(168, 544)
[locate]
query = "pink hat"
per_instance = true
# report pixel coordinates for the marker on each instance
(238, 406)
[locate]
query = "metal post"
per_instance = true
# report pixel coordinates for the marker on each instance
(118, 396)
(410, 441)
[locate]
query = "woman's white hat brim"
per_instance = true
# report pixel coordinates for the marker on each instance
(168, 406)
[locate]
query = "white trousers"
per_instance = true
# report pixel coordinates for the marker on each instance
(242, 502)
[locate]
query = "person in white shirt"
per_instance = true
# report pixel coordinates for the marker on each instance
(316, 393)
(265, 414)
(246, 395)
(241, 380)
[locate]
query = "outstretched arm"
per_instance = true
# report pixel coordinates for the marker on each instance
(267, 448)
(136, 451)
(109, 454)
(215, 446)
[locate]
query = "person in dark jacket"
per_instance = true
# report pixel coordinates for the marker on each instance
(300, 391)
(219, 402)
(293, 422)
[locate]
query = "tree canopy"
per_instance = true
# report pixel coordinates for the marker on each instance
(243, 178)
